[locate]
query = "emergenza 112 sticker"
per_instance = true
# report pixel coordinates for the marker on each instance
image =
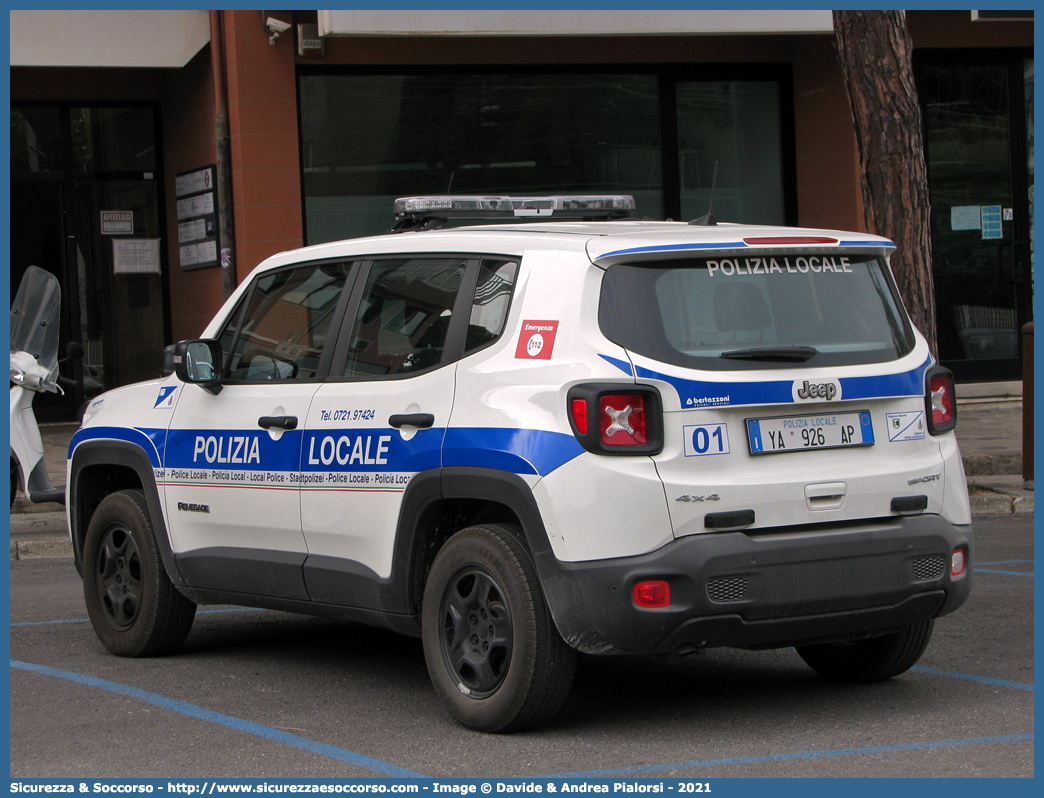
(536, 341)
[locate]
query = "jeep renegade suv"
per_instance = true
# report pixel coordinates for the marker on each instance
(523, 440)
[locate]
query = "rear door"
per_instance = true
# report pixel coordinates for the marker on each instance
(792, 385)
(380, 419)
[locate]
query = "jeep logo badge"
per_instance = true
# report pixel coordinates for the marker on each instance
(812, 390)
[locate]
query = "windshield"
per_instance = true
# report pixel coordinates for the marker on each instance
(756, 312)
(34, 317)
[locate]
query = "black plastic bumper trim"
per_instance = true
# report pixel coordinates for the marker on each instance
(802, 584)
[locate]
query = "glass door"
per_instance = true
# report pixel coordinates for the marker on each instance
(87, 205)
(976, 122)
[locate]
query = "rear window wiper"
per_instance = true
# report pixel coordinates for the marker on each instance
(784, 353)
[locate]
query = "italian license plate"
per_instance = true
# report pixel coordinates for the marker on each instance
(801, 433)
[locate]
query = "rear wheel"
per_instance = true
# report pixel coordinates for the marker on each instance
(134, 608)
(870, 660)
(492, 649)
(14, 480)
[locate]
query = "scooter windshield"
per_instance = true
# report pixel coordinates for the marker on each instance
(34, 319)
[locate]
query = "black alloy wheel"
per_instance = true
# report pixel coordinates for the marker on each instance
(494, 654)
(134, 608)
(118, 576)
(476, 630)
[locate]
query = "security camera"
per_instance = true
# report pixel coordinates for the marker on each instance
(275, 27)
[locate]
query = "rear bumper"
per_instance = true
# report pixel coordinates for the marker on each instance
(775, 588)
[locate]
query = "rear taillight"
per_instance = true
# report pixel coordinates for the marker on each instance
(614, 418)
(940, 400)
(621, 419)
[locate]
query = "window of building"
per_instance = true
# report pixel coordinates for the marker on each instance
(367, 139)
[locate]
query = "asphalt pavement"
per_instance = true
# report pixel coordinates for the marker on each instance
(263, 694)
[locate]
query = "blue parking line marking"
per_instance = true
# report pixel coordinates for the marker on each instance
(971, 677)
(751, 760)
(47, 623)
(265, 732)
(994, 571)
(87, 620)
(1006, 562)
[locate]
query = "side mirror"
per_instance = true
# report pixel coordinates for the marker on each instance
(198, 362)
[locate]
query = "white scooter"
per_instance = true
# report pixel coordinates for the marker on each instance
(34, 369)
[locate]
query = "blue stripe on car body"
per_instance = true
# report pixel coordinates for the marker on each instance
(152, 440)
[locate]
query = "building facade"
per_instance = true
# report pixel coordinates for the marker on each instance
(118, 121)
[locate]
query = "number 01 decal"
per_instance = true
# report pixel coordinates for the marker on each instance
(706, 439)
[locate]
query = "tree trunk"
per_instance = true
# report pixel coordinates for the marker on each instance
(875, 51)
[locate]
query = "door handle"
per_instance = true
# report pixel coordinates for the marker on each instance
(280, 422)
(421, 420)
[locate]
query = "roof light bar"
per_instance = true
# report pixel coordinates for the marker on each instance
(443, 207)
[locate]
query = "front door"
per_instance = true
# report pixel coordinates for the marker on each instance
(978, 145)
(233, 459)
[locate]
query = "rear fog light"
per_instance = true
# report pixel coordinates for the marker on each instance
(652, 594)
(957, 562)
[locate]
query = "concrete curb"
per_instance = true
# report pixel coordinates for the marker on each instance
(39, 549)
(1001, 504)
(983, 465)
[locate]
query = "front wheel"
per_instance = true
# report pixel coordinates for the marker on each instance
(871, 660)
(492, 649)
(134, 608)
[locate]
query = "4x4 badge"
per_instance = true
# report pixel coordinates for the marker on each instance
(687, 498)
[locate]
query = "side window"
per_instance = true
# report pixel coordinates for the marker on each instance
(492, 299)
(404, 316)
(228, 332)
(285, 323)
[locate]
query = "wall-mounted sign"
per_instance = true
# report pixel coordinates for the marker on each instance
(965, 217)
(986, 218)
(117, 223)
(309, 42)
(991, 222)
(194, 182)
(136, 255)
(198, 238)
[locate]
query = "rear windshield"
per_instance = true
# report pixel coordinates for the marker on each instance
(726, 314)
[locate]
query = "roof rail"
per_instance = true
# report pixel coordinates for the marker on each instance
(427, 213)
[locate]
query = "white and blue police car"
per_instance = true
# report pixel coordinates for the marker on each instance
(573, 431)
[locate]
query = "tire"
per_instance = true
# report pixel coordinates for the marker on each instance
(871, 660)
(14, 480)
(134, 608)
(493, 652)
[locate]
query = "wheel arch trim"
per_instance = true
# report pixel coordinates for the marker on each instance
(463, 482)
(97, 451)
